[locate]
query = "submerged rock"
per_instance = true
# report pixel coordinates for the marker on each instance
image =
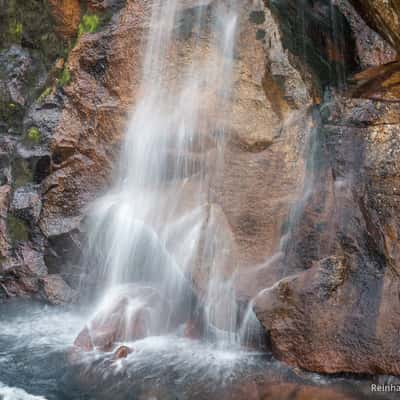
(122, 352)
(84, 340)
(131, 313)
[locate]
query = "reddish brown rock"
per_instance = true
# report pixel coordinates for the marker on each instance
(379, 83)
(105, 70)
(383, 16)
(84, 340)
(252, 193)
(67, 14)
(272, 387)
(372, 48)
(122, 352)
(129, 315)
(333, 310)
(255, 390)
(192, 330)
(302, 392)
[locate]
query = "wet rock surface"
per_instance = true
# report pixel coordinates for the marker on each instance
(333, 305)
(334, 312)
(152, 370)
(29, 48)
(126, 318)
(55, 290)
(310, 31)
(67, 15)
(382, 16)
(26, 203)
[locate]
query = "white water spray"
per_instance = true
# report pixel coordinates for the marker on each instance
(155, 227)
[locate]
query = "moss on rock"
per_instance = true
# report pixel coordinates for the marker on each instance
(22, 173)
(65, 77)
(33, 136)
(11, 114)
(30, 23)
(17, 229)
(90, 23)
(46, 92)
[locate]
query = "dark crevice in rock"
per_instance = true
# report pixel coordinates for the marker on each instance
(317, 33)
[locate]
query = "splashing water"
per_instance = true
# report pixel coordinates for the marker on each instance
(156, 227)
(10, 393)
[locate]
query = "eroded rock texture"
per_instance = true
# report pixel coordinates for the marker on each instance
(29, 48)
(67, 15)
(104, 69)
(336, 313)
(336, 306)
(382, 16)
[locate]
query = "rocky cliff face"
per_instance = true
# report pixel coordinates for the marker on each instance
(309, 189)
(334, 309)
(66, 80)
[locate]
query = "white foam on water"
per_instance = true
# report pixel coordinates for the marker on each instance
(13, 393)
(42, 327)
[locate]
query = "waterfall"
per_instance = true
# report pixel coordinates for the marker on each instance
(156, 228)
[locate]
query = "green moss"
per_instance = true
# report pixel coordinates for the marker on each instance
(89, 24)
(33, 19)
(22, 174)
(33, 136)
(257, 17)
(17, 229)
(12, 115)
(260, 34)
(15, 31)
(65, 77)
(44, 94)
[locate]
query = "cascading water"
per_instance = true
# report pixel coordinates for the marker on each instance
(155, 228)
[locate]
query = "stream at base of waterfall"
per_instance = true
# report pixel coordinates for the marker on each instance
(35, 343)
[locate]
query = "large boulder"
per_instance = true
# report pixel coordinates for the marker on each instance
(333, 310)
